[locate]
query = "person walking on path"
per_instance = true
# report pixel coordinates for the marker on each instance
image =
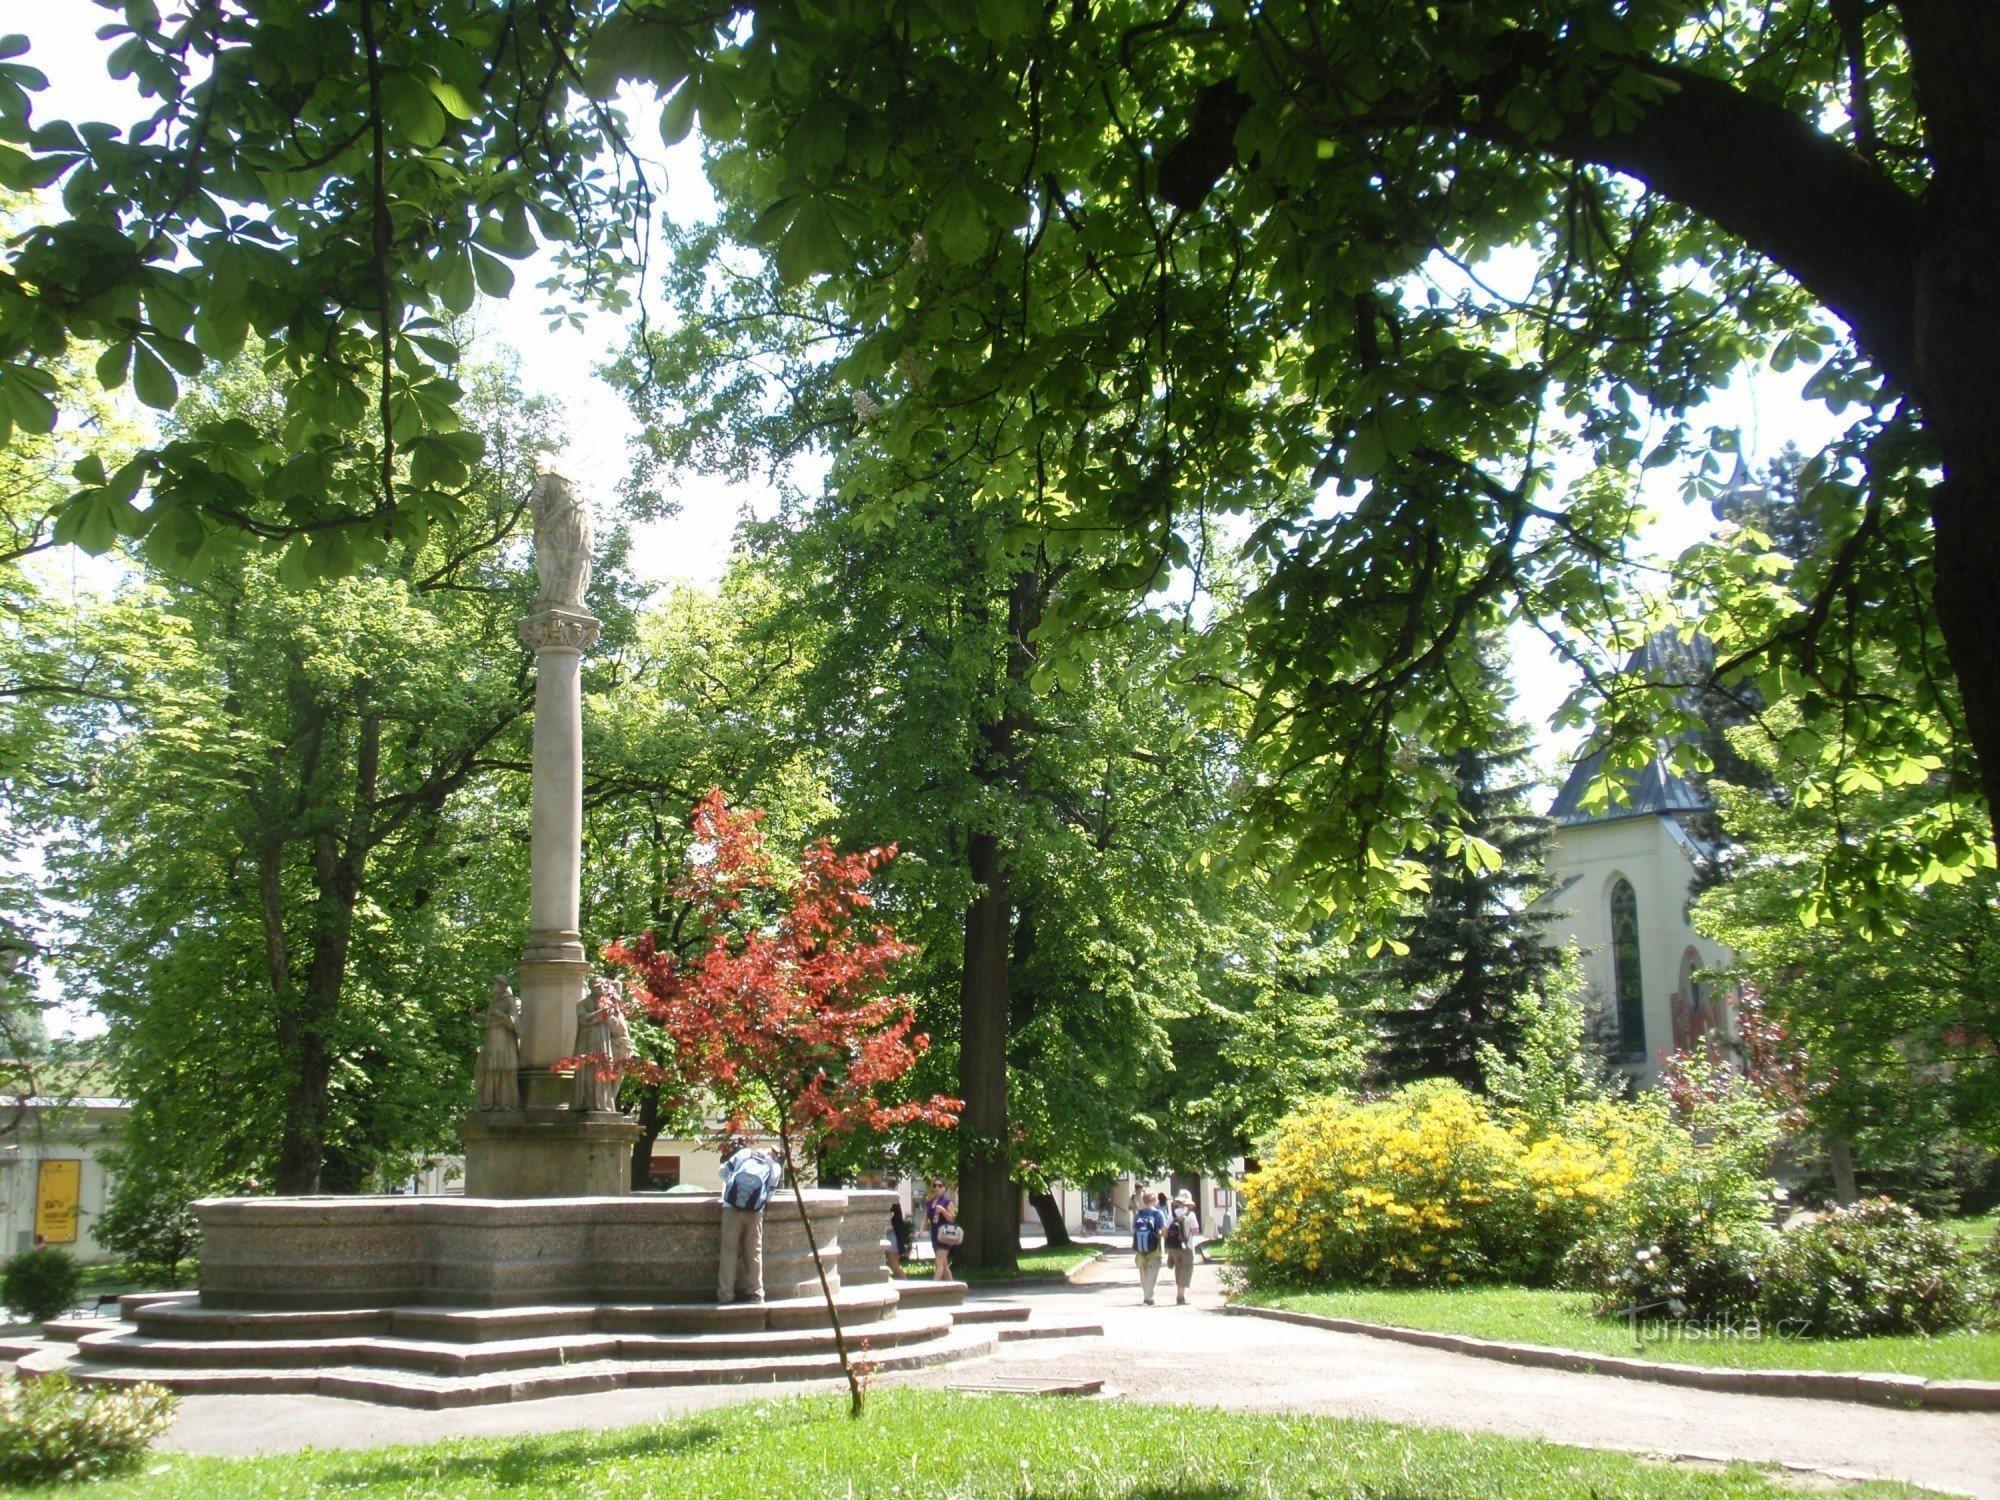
(1183, 1228)
(946, 1235)
(749, 1176)
(1148, 1226)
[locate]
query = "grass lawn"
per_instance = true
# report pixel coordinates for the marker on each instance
(939, 1446)
(131, 1276)
(1524, 1315)
(1975, 1230)
(1040, 1265)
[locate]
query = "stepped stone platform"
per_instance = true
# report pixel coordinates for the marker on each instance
(454, 1302)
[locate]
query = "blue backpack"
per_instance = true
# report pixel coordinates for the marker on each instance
(1146, 1231)
(750, 1185)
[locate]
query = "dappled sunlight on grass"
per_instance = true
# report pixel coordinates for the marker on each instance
(940, 1446)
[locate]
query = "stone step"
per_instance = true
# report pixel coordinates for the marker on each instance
(409, 1388)
(69, 1330)
(48, 1359)
(124, 1347)
(186, 1319)
(930, 1293)
(1050, 1330)
(991, 1312)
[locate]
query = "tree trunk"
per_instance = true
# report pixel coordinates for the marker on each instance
(1840, 1152)
(338, 859)
(857, 1385)
(649, 1132)
(986, 1202)
(1954, 50)
(309, 1102)
(1054, 1230)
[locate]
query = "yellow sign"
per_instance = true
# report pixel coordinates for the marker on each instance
(56, 1195)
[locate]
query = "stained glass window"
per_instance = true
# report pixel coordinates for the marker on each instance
(1625, 971)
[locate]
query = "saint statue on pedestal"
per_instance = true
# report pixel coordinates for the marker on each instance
(604, 1043)
(500, 1054)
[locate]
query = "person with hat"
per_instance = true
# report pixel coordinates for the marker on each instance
(1183, 1228)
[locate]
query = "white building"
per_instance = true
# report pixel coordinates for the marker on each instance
(1623, 876)
(53, 1180)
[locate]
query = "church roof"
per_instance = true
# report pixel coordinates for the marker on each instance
(1664, 657)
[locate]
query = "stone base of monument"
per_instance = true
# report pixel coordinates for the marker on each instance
(439, 1302)
(536, 1153)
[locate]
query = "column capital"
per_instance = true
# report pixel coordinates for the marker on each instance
(558, 629)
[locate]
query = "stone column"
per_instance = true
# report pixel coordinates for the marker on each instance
(554, 968)
(545, 1149)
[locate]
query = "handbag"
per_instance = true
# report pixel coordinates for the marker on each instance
(949, 1236)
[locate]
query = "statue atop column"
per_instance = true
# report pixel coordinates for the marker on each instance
(562, 540)
(499, 1063)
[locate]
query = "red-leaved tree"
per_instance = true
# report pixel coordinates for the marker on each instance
(787, 999)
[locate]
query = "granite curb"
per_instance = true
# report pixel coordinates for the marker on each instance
(1906, 1391)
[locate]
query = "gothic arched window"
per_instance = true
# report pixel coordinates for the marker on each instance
(1625, 970)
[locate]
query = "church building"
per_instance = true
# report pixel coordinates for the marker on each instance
(1623, 875)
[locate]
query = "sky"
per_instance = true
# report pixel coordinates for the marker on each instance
(1764, 407)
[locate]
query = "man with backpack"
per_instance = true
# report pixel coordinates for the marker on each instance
(1148, 1225)
(1183, 1228)
(749, 1176)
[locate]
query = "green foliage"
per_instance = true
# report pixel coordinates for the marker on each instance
(1872, 1268)
(1888, 998)
(53, 1429)
(150, 1218)
(335, 185)
(41, 1283)
(1690, 1240)
(1556, 1069)
(1126, 266)
(1672, 1270)
(279, 841)
(1248, 267)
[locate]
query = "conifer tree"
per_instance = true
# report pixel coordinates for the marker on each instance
(1474, 946)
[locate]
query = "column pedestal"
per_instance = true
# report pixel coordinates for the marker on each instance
(547, 1153)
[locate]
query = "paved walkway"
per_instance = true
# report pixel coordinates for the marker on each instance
(1195, 1355)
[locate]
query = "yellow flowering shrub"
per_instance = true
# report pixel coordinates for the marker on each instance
(1431, 1186)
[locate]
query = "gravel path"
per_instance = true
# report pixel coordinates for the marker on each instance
(1195, 1355)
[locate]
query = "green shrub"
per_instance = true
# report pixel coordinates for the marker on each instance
(1873, 1268)
(52, 1428)
(1692, 1235)
(151, 1221)
(1676, 1271)
(41, 1284)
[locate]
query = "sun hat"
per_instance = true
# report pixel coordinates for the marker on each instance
(1184, 1196)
